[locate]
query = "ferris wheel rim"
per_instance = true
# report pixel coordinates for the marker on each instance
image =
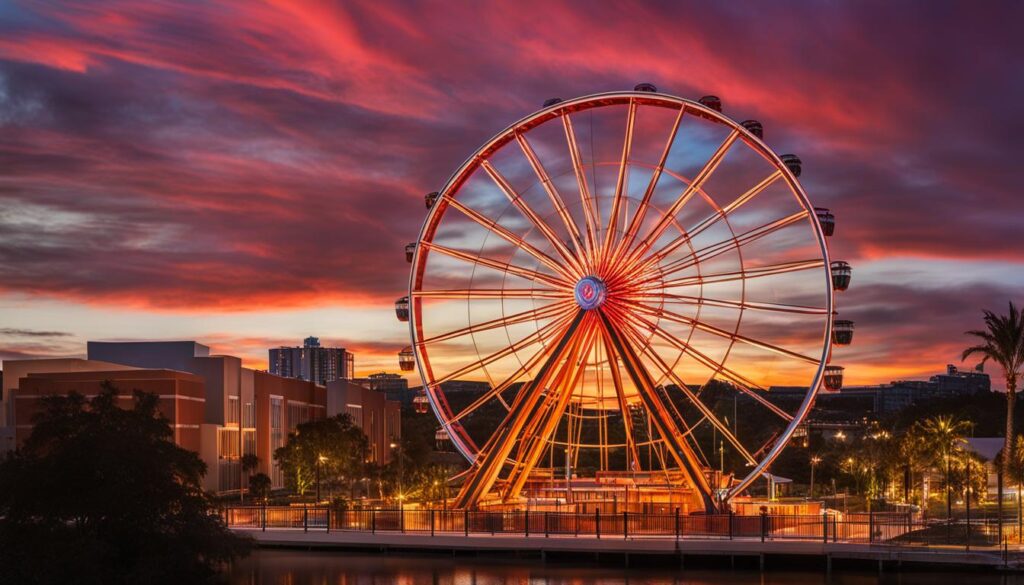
(498, 140)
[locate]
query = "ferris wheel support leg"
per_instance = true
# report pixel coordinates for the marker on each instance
(632, 456)
(667, 428)
(535, 440)
(486, 473)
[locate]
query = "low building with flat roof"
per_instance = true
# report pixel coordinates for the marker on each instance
(15, 370)
(180, 397)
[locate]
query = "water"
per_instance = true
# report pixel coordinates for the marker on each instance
(274, 567)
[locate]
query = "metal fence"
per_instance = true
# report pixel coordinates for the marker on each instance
(898, 528)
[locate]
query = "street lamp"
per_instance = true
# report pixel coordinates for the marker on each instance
(401, 471)
(721, 457)
(815, 460)
(319, 462)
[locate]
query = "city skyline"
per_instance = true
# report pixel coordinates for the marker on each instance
(247, 189)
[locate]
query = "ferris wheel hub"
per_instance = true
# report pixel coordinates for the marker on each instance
(590, 292)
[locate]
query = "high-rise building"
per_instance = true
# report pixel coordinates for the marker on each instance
(312, 362)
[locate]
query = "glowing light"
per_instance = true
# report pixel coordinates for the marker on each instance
(590, 293)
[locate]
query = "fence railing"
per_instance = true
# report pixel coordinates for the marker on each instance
(888, 527)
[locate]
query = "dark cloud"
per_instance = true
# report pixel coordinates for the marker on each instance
(13, 332)
(239, 155)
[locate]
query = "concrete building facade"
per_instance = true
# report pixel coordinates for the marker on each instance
(181, 397)
(379, 418)
(215, 406)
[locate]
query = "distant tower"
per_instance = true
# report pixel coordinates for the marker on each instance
(312, 362)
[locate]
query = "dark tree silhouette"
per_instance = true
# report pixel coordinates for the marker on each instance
(259, 486)
(100, 494)
(1002, 341)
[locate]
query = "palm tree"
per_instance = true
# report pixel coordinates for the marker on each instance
(944, 435)
(1015, 466)
(912, 451)
(1002, 341)
(249, 463)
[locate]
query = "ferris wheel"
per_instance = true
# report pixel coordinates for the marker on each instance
(623, 283)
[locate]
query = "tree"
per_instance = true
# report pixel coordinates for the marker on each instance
(333, 447)
(101, 494)
(913, 453)
(259, 486)
(944, 437)
(249, 462)
(1002, 341)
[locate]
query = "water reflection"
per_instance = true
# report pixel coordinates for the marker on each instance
(269, 567)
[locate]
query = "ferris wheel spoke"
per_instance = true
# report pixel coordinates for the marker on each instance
(492, 459)
(735, 204)
(511, 238)
(690, 395)
(688, 235)
(714, 366)
(553, 195)
(546, 354)
(708, 252)
(496, 391)
(498, 265)
(641, 211)
(666, 425)
(527, 212)
(538, 434)
(620, 184)
(552, 310)
(632, 456)
(698, 181)
(540, 335)
(753, 305)
(745, 274)
(493, 293)
(589, 212)
(739, 381)
(681, 319)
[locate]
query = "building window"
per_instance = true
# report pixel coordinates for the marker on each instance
(229, 475)
(231, 416)
(249, 415)
(227, 447)
(249, 442)
(298, 413)
(276, 439)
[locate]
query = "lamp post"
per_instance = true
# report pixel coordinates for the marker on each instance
(568, 476)
(319, 462)
(949, 491)
(968, 501)
(401, 472)
(721, 457)
(815, 460)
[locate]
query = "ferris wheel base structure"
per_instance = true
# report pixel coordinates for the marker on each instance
(615, 270)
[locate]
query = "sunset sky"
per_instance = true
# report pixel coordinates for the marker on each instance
(246, 174)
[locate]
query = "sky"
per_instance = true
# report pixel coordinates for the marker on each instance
(246, 173)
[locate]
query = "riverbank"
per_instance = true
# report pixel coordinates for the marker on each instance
(316, 567)
(633, 550)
